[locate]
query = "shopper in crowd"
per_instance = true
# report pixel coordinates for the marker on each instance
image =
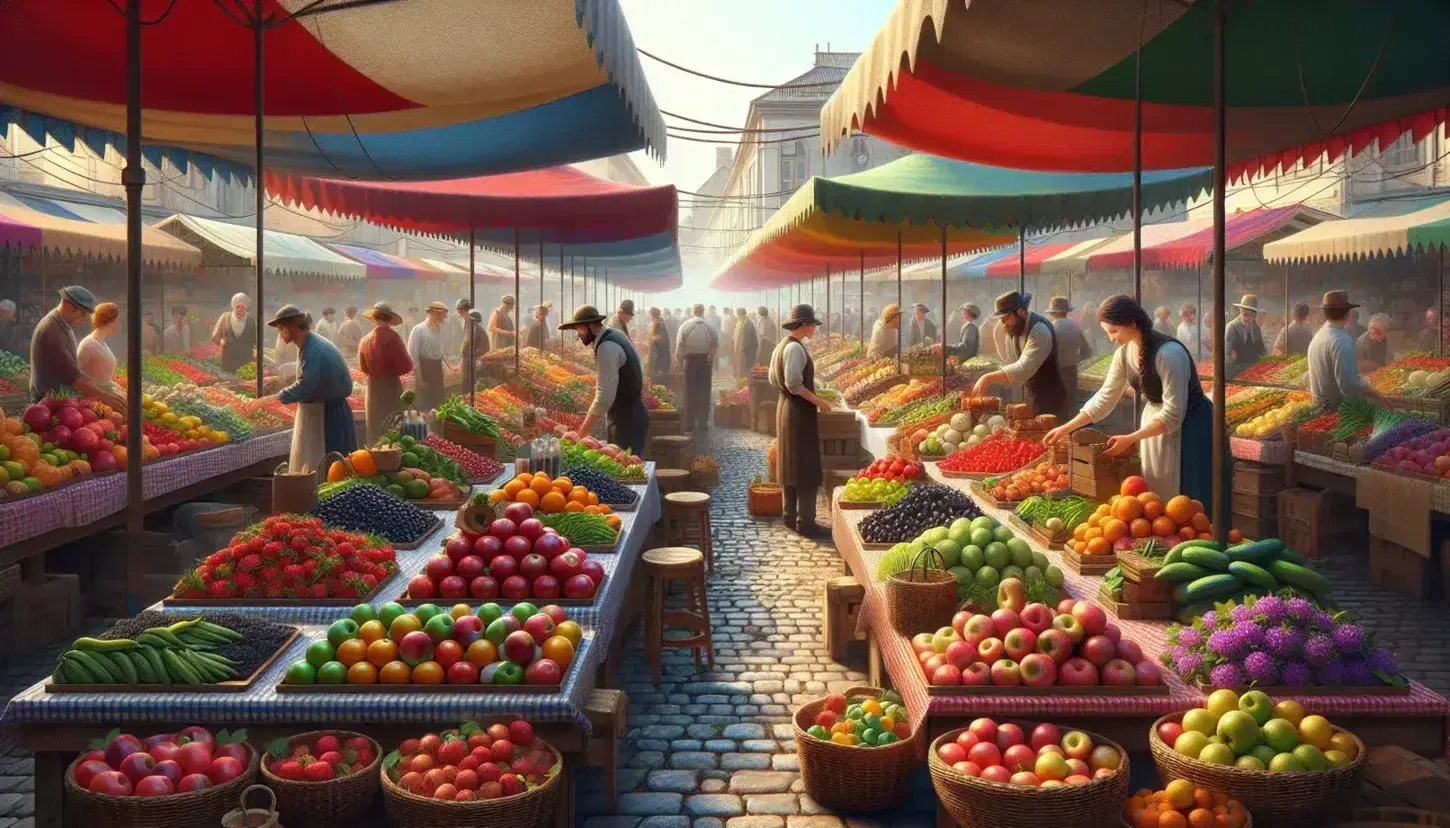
(537, 334)
(383, 357)
(501, 328)
(728, 329)
(886, 333)
(695, 349)
(970, 340)
(94, 355)
(1073, 347)
(236, 332)
(327, 325)
(1353, 327)
(747, 344)
(425, 348)
(623, 315)
(12, 336)
(349, 333)
(1030, 357)
(54, 362)
(410, 322)
(923, 330)
(324, 421)
(798, 446)
(1333, 359)
(150, 334)
(1430, 337)
(1374, 344)
(177, 339)
(712, 318)
(1175, 438)
(1242, 338)
(1294, 338)
(618, 381)
(468, 349)
(1188, 330)
(284, 360)
(1161, 323)
(764, 335)
(657, 357)
(673, 321)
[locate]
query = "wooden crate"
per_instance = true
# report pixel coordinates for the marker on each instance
(1257, 478)
(1401, 569)
(761, 392)
(844, 597)
(765, 418)
(838, 424)
(849, 446)
(1304, 539)
(1262, 506)
(1141, 574)
(1325, 512)
(665, 423)
(1255, 527)
(1094, 489)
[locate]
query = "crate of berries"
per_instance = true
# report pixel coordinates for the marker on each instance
(186, 779)
(322, 778)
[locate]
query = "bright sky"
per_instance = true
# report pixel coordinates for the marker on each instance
(758, 41)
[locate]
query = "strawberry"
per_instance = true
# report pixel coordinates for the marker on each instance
(294, 572)
(272, 550)
(331, 757)
(249, 563)
(326, 743)
(222, 589)
(318, 772)
(274, 590)
(246, 582)
(223, 571)
(317, 590)
(290, 769)
(269, 574)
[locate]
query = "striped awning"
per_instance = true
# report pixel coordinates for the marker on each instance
(83, 231)
(1241, 230)
(424, 89)
(1384, 231)
(1029, 264)
(284, 253)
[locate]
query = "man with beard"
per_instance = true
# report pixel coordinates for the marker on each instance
(1030, 342)
(618, 381)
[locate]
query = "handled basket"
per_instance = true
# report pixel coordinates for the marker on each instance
(1277, 800)
(335, 802)
(924, 604)
(852, 779)
(766, 500)
(194, 809)
(530, 809)
(245, 817)
(978, 803)
(293, 492)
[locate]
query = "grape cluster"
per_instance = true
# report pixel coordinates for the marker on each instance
(367, 508)
(927, 505)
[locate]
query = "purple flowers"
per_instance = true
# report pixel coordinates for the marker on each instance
(1224, 643)
(1300, 609)
(1272, 608)
(1349, 638)
(1384, 661)
(1190, 637)
(1209, 619)
(1261, 668)
(1295, 673)
(1282, 641)
(1357, 671)
(1249, 634)
(1240, 613)
(1331, 674)
(1188, 665)
(1226, 675)
(1318, 650)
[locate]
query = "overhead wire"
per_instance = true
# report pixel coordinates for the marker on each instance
(728, 81)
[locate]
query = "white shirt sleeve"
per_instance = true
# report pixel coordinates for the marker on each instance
(1034, 352)
(1174, 369)
(795, 369)
(1106, 399)
(608, 359)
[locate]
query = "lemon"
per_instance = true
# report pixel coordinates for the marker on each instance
(219, 437)
(168, 418)
(146, 400)
(160, 408)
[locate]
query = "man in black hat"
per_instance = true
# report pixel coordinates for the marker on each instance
(622, 317)
(618, 381)
(324, 420)
(1333, 365)
(501, 327)
(54, 365)
(797, 428)
(1031, 345)
(1073, 347)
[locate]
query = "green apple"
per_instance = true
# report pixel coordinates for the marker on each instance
(1264, 754)
(523, 611)
(1311, 757)
(1280, 735)
(1257, 703)
(1240, 729)
(1286, 763)
(951, 553)
(489, 613)
(1201, 721)
(981, 536)
(341, 630)
(1249, 763)
(1217, 755)
(997, 555)
(973, 557)
(984, 522)
(1021, 553)
(1221, 701)
(426, 611)
(1190, 744)
(387, 612)
(987, 577)
(363, 613)
(1003, 534)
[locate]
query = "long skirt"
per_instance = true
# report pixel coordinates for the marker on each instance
(1181, 462)
(382, 402)
(428, 384)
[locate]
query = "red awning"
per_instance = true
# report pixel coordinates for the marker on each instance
(1194, 250)
(1002, 268)
(563, 203)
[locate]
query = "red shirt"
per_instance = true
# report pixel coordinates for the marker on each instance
(382, 354)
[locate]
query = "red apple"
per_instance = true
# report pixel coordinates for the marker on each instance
(1147, 674)
(1077, 672)
(1036, 617)
(1128, 649)
(1019, 642)
(996, 773)
(1113, 632)
(977, 674)
(1092, 617)
(967, 739)
(545, 586)
(533, 565)
(421, 586)
(952, 753)
(487, 547)
(1045, 734)
(986, 731)
(580, 587)
(1004, 621)
(193, 782)
(1077, 745)
(137, 766)
(1006, 673)
(87, 770)
(482, 588)
(468, 567)
(565, 566)
(457, 548)
(453, 587)
(1169, 733)
(503, 567)
(968, 768)
(959, 654)
(1098, 649)
(1118, 673)
(1026, 778)
(169, 769)
(1009, 734)
(959, 621)
(1038, 670)
(438, 567)
(515, 587)
(1078, 767)
(1055, 644)
(1071, 626)
(110, 783)
(991, 650)
(985, 754)
(978, 628)
(946, 676)
(1064, 607)
(155, 786)
(1019, 758)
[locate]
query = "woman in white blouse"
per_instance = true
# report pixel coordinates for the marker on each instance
(93, 354)
(1177, 427)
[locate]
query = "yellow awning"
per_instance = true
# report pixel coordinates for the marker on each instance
(78, 237)
(1385, 232)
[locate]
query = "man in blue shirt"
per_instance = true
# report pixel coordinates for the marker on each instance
(324, 419)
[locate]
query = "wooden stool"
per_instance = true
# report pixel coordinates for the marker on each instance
(687, 523)
(672, 480)
(673, 451)
(676, 563)
(608, 713)
(842, 608)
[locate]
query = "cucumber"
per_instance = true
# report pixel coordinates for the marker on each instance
(1298, 576)
(76, 673)
(119, 663)
(1258, 552)
(158, 666)
(142, 667)
(1181, 572)
(1211, 586)
(1251, 573)
(1210, 559)
(179, 669)
(97, 666)
(1176, 553)
(1287, 554)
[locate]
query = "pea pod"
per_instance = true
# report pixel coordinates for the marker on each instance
(98, 645)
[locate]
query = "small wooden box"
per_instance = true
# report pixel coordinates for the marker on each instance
(1326, 513)
(838, 424)
(666, 423)
(1257, 478)
(1019, 411)
(1255, 527)
(842, 610)
(1094, 489)
(1401, 569)
(1263, 506)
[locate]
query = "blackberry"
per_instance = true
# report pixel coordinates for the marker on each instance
(609, 491)
(367, 508)
(926, 506)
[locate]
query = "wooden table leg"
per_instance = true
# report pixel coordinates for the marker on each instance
(564, 814)
(50, 789)
(873, 662)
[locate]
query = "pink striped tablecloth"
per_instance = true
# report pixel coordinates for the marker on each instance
(85, 502)
(905, 670)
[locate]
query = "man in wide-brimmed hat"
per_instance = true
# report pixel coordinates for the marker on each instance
(886, 333)
(425, 348)
(618, 381)
(797, 428)
(1243, 340)
(1030, 359)
(383, 357)
(622, 317)
(1333, 361)
(923, 330)
(1073, 347)
(472, 340)
(324, 419)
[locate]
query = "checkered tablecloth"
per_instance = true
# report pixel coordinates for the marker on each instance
(87, 501)
(1439, 492)
(1268, 452)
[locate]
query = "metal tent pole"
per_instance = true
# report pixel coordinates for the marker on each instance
(1220, 422)
(1198, 318)
(259, 28)
(541, 271)
(1440, 303)
(1286, 303)
(561, 289)
(1022, 260)
(134, 177)
(827, 320)
(898, 299)
(943, 308)
(518, 300)
(472, 270)
(862, 310)
(1138, 171)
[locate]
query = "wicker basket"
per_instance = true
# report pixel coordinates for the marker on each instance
(766, 500)
(922, 598)
(387, 459)
(199, 809)
(852, 779)
(530, 809)
(978, 803)
(1277, 800)
(478, 443)
(335, 802)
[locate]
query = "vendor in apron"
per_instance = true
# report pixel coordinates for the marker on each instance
(384, 359)
(798, 444)
(236, 333)
(618, 381)
(425, 347)
(1030, 358)
(501, 328)
(1175, 441)
(324, 420)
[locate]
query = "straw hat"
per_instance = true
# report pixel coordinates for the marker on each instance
(436, 307)
(1059, 304)
(383, 312)
(890, 312)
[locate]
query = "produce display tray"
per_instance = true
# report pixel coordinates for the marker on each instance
(175, 601)
(232, 686)
(1052, 690)
(406, 601)
(861, 542)
(860, 505)
(1317, 690)
(1114, 607)
(1088, 564)
(431, 505)
(979, 491)
(1047, 539)
(412, 689)
(417, 542)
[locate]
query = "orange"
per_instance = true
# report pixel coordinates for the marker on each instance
(1114, 530)
(1234, 536)
(1099, 546)
(1179, 509)
(1187, 533)
(381, 652)
(1199, 522)
(395, 672)
(1092, 533)
(1203, 798)
(1140, 528)
(362, 673)
(482, 652)
(352, 651)
(1127, 509)
(560, 649)
(1172, 819)
(1146, 818)
(593, 499)
(570, 630)
(574, 506)
(552, 502)
(580, 494)
(614, 522)
(512, 488)
(1094, 521)
(563, 485)
(1200, 818)
(1152, 510)
(498, 496)
(528, 496)
(429, 672)
(1080, 547)
(604, 509)
(402, 625)
(591, 509)
(1164, 527)
(1080, 532)
(541, 486)
(372, 631)
(1149, 497)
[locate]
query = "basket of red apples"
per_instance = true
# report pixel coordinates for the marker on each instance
(991, 775)
(188, 779)
(473, 777)
(322, 778)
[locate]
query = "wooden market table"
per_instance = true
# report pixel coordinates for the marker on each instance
(57, 726)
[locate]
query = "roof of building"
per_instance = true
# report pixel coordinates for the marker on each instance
(830, 69)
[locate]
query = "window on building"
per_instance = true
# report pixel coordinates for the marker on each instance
(1404, 152)
(860, 152)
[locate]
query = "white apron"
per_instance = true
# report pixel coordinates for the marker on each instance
(309, 442)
